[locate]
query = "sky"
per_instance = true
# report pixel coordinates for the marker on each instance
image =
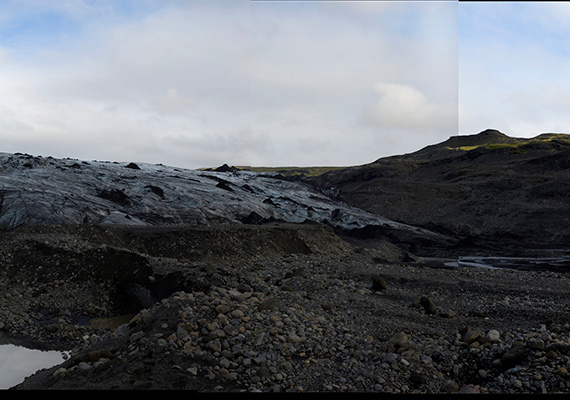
(513, 67)
(201, 83)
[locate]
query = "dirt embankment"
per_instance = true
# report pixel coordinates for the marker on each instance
(56, 278)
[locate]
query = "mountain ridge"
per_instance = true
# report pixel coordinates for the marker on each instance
(485, 188)
(492, 139)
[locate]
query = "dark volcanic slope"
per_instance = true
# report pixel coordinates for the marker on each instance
(485, 187)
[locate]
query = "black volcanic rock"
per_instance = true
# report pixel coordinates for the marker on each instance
(116, 196)
(132, 166)
(226, 168)
(156, 190)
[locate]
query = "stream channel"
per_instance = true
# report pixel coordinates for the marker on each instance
(560, 263)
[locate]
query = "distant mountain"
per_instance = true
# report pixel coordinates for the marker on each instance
(485, 189)
(492, 139)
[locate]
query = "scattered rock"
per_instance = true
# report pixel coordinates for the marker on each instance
(493, 336)
(270, 304)
(428, 305)
(378, 284)
(473, 335)
(513, 357)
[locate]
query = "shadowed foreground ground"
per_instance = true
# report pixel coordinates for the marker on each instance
(277, 308)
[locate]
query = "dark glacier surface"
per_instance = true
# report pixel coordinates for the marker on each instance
(46, 190)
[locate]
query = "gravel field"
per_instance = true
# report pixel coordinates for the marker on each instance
(276, 309)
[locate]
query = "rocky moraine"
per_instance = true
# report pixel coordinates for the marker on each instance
(331, 316)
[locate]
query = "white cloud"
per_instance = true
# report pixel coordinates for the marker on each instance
(119, 91)
(204, 83)
(404, 107)
(313, 68)
(172, 102)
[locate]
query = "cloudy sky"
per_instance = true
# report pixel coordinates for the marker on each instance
(513, 67)
(199, 83)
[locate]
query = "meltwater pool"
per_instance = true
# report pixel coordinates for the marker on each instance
(18, 362)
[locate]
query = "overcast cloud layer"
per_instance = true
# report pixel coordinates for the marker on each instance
(198, 83)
